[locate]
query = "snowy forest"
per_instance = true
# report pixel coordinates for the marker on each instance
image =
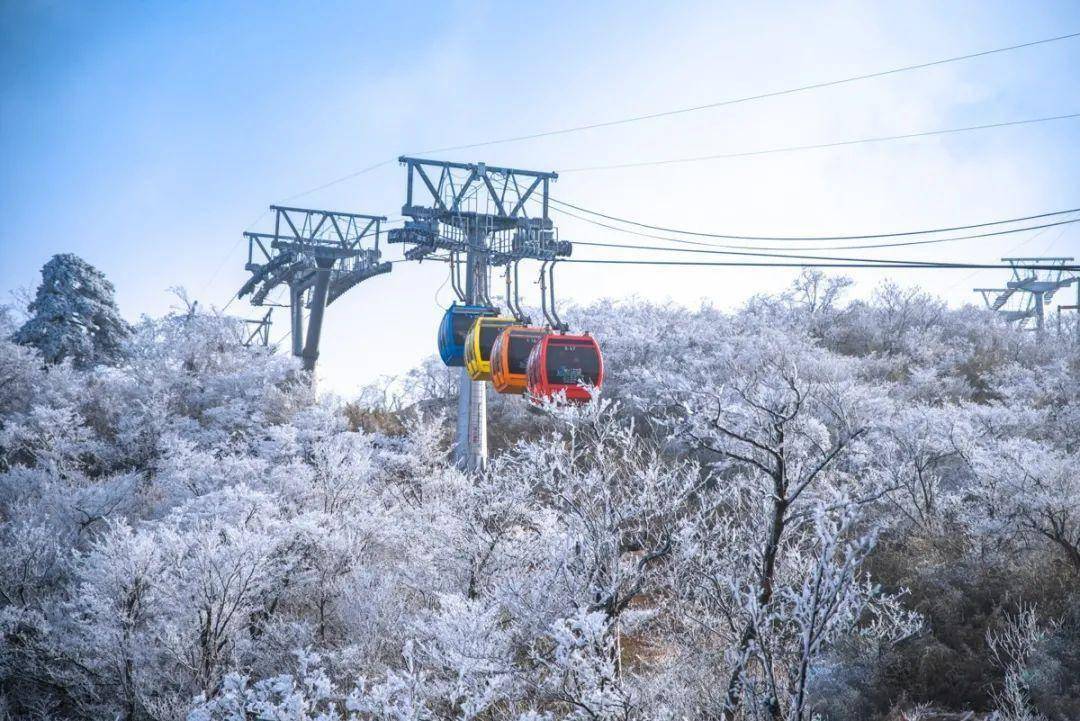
(811, 507)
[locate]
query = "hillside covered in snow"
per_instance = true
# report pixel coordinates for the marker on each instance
(807, 508)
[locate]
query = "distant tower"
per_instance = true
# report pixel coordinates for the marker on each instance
(1023, 300)
(257, 330)
(317, 255)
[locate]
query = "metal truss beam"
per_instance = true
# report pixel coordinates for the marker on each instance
(457, 191)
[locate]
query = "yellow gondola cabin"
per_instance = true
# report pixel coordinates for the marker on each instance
(478, 344)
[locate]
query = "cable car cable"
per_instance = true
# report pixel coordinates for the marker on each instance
(872, 236)
(881, 266)
(682, 241)
(814, 249)
(783, 255)
(775, 255)
(1009, 252)
(679, 111)
(750, 98)
(860, 262)
(819, 146)
(841, 247)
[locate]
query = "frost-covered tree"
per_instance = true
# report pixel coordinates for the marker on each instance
(73, 315)
(773, 558)
(1012, 648)
(797, 509)
(1031, 489)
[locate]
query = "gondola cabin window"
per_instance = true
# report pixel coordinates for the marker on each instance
(510, 358)
(521, 345)
(572, 362)
(461, 324)
(488, 333)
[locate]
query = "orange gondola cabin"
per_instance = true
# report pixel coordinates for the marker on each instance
(566, 363)
(510, 358)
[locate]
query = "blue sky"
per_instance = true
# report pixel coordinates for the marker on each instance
(147, 136)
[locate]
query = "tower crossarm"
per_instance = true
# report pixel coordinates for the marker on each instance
(477, 189)
(305, 237)
(1059, 260)
(1034, 285)
(453, 204)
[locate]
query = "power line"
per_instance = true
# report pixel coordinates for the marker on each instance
(749, 98)
(818, 146)
(702, 158)
(873, 236)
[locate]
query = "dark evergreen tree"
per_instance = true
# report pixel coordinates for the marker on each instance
(74, 315)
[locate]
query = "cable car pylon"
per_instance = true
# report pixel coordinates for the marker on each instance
(1034, 288)
(318, 255)
(479, 212)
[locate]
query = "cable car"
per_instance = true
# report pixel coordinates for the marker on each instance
(478, 343)
(510, 357)
(563, 363)
(455, 325)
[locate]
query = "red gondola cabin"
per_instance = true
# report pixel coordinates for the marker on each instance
(565, 363)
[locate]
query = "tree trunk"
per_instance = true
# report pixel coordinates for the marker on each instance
(765, 591)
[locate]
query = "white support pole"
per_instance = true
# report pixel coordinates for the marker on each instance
(470, 450)
(310, 352)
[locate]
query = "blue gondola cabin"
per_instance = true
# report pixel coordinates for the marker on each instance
(455, 325)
